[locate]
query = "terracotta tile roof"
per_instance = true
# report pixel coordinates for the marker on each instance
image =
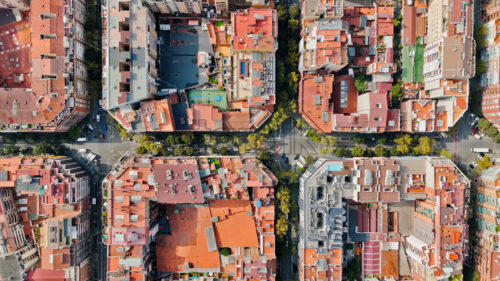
(409, 25)
(236, 224)
(46, 275)
(187, 243)
(315, 104)
(204, 117)
(255, 29)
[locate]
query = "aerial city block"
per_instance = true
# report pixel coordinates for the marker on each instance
(250, 140)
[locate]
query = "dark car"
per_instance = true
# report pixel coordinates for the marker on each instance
(102, 136)
(482, 154)
(105, 127)
(283, 155)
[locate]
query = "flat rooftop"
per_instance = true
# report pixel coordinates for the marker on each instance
(179, 56)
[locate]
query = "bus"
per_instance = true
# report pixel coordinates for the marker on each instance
(481, 149)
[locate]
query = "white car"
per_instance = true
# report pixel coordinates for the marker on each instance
(98, 118)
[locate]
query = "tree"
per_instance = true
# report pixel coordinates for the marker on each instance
(294, 24)
(326, 150)
(359, 139)
(358, 151)
(480, 67)
(446, 153)
(491, 131)
(483, 124)
(140, 150)
(189, 151)
(313, 135)
(282, 12)
(403, 143)
(309, 160)
(360, 84)
(425, 146)
(224, 151)
(380, 151)
(394, 151)
(294, 11)
(209, 139)
(225, 139)
(225, 251)
(397, 91)
(301, 124)
(237, 140)
(397, 21)
(264, 155)
(178, 151)
(187, 138)
(39, 149)
(340, 152)
(483, 163)
(382, 140)
(476, 276)
(496, 138)
(353, 268)
(281, 226)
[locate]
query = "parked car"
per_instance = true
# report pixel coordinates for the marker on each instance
(105, 127)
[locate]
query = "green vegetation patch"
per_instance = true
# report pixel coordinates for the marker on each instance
(413, 63)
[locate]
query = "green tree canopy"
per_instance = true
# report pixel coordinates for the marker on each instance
(358, 151)
(380, 151)
(360, 83)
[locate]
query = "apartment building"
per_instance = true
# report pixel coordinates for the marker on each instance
(490, 55)
(338, 35)
(44, 219)
(189, 218)
(487, 250)
(401, 218)
(186, 72)
(44, 74)
(438, 61)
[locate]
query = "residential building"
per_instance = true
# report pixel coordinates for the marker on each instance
(44, 74)
(437, 64)
(44, 219)
(337, 35)
(490, 56)
(176, 215)
(401, 218)
(487, 248)
(189, 73)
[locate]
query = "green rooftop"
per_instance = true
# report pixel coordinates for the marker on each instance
(213, 97)
(413, 63)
